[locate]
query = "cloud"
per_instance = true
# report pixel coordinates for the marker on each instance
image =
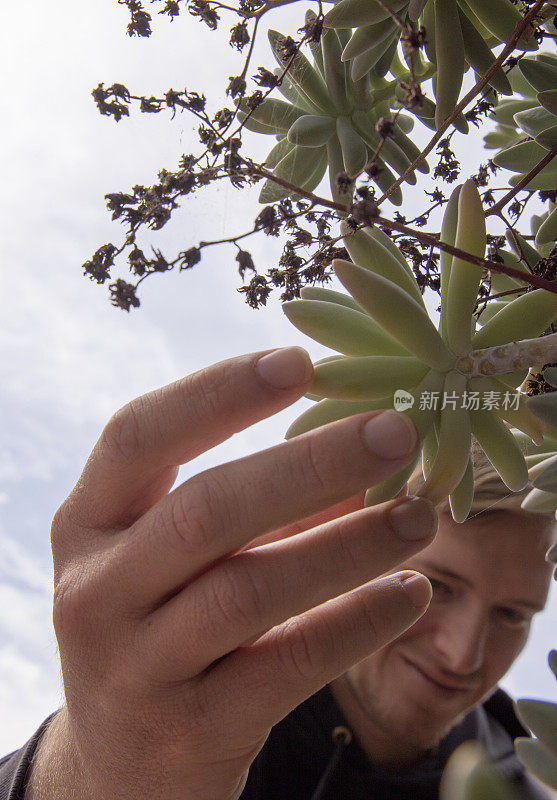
(30, 687)
(28, 694)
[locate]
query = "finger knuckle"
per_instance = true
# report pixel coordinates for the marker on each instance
(344, 548)
(212, 389)
(366, 610)
(235, 599)
(206, 510)
(192, 516)
(301, 651)
(68, 528)
(123, 432)
(72, 603)
(91, 630)
(317, 466)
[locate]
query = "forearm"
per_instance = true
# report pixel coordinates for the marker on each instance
(55, 772)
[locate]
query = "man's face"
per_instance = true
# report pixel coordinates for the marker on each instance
(489, 577)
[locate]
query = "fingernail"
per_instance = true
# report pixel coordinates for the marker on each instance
(414, 519)
(418, 589)
(285, 368)
(390, 435)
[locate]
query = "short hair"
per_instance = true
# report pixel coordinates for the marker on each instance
(490, 493)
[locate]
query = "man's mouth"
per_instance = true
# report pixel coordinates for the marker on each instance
(440, 684)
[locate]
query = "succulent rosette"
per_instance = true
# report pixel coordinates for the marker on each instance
(458, 36)
(328, 121)
(450, 376)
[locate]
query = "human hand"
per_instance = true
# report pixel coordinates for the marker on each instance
(181, 642)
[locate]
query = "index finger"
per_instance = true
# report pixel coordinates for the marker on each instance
(135, 460)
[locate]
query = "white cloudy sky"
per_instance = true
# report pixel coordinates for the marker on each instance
(68, 358)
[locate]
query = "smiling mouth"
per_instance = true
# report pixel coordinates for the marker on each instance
(443, 687)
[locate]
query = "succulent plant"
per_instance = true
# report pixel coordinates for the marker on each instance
(527, 129)
(542, 461)
(458, 35)
(469, 774)
(328, 120)
(387, 345)
(539, 755)
(528, 119)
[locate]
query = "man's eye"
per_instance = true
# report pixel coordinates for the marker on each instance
(439, 588)
(514, 617)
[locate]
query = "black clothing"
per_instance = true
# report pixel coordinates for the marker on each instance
(302, 755)
(297, 752)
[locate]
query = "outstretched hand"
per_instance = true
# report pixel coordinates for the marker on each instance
(190, 621)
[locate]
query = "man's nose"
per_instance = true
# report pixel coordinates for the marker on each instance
(461, 641)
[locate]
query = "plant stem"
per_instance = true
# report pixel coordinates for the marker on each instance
(424, 238)
(495, 266)
(510, 357)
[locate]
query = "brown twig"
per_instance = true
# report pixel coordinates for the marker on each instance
(495, 209)
(425, 238)
(244, 72)
(378, 149)
(420, 236)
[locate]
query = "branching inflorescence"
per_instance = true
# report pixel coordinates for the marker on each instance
(365, 83)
